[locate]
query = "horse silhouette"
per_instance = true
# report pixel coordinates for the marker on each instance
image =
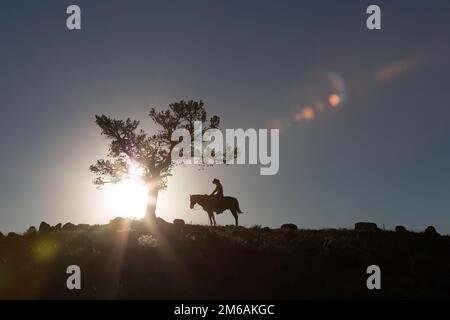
(213, 204)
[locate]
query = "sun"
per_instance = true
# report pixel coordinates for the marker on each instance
(129, 197)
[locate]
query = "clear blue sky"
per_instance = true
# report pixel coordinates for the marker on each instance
(382, 155)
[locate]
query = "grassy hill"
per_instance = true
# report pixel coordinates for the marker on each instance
(126, 259)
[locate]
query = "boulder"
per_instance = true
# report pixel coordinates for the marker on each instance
(161, 221)
(431, 231)
(265, 229)
(13, 235)
(366, 226)
(31, 230)
(1, 235)
(118, 220)
(68, 227)
(147, 240)
(400, 229)
(289, 227)
(44, 227)
(178, 222)
(57, 227)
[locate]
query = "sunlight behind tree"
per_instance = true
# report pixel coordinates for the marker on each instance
(128, 198)
(131, 148)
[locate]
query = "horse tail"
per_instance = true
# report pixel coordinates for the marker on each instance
(238, 209)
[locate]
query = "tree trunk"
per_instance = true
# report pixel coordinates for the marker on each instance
(150, 214)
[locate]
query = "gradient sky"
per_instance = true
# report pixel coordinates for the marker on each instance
(383, 155)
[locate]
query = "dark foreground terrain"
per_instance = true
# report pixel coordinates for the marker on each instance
(126, 259)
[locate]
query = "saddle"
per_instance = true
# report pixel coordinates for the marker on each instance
(218, 201)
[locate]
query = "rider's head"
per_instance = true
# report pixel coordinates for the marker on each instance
(216, 181)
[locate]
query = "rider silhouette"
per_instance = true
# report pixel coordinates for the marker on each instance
(217, 193)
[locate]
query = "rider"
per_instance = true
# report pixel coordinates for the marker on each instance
(218, 191)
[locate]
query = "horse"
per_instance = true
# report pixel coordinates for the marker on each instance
(211, 204)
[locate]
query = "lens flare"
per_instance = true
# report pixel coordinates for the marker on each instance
(45, 250)
(315, 93)
(334, 100)
(306, 114)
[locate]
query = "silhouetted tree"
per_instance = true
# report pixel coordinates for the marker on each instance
(131, 146)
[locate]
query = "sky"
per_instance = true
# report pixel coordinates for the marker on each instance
(377, 152)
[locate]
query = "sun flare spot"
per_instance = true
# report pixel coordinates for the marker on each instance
(127, 199)
(334, 100)
(44, 250)
(306, 114)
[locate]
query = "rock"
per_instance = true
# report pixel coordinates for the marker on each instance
(44, 227)
(400, 229)
(83, 226)
(57, 227)
(147, 241)
(31, 230)
(120, 223)
(68, 227)
(431, 231)
(13, 235)
(366, 226)
(265, 229)
(161, 221)
(1, 235)
(191, 237)
(178, 222)
(118, 220)
(289, 227)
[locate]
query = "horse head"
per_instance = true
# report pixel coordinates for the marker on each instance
(192, 200)
(201, 199)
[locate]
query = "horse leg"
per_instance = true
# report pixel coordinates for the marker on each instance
(214, 219)
(235, 215)
(210, 221)
(211, 217)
